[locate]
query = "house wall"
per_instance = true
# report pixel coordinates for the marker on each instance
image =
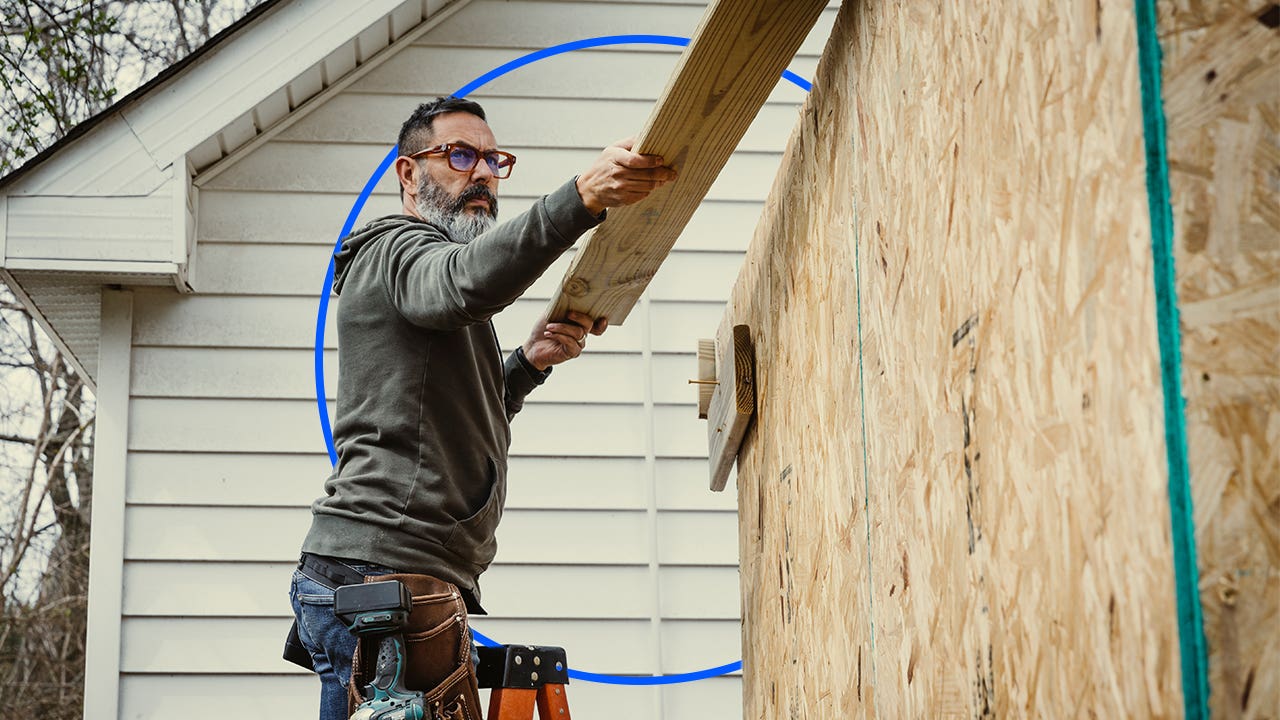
(611, 546)
(954, 500)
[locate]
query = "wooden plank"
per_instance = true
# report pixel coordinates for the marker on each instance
(706, 377)
(732, 402)
(1222, 103)
(724, 77)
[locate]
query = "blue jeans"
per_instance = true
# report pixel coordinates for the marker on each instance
(327, 639)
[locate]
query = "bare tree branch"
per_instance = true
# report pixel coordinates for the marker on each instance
(6, 437)
(61, 61)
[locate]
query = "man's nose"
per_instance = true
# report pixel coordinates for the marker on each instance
(483, 174)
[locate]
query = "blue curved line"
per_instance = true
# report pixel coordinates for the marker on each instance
(797, 80)
(322, 314)
(671, 679)
(656, 679)
(321, 395)
(568, 47)
(483, 639)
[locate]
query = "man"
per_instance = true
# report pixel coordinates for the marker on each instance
(424, 397)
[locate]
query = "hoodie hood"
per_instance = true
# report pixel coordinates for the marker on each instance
(358, 239)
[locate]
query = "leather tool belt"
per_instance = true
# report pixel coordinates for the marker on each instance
(437, 651)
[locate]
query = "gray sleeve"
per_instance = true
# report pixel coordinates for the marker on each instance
(521, 378)
(442, 285)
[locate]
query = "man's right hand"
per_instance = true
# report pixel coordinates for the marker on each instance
(620, 177)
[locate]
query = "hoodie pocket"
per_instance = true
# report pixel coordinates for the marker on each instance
(472, 538)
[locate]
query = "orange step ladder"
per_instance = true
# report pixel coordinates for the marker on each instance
(522, 677)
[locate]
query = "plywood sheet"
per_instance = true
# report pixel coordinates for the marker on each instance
(1222, 104)
(953, 501)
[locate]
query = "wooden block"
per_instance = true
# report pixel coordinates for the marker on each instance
(706, 380)
(733, 402)
(732, 63)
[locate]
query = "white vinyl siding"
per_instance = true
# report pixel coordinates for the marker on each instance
(612, 546)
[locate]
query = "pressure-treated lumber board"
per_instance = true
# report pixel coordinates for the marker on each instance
(1222, 103)
(733, 61)
(953, 499)
(733, 402)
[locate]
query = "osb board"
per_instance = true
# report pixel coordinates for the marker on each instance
(958, 250)
(1222, 105)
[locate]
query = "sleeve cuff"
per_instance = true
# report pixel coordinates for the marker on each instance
(537, 376)
(567, 212)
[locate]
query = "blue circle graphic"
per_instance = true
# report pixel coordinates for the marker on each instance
(322, 313)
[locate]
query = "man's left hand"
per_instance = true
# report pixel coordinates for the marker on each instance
(552, 343)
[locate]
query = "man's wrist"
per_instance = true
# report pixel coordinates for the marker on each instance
(536, 372)
(591, 205)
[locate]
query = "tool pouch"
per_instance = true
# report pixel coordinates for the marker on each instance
(437, 651)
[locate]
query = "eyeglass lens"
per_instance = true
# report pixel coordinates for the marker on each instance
(463, 159)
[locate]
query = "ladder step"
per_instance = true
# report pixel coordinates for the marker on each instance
(521, 666)
(523, 677)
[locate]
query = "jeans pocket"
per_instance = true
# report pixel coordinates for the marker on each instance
(310, 592)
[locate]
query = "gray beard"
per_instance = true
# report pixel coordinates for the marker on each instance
(449, 213)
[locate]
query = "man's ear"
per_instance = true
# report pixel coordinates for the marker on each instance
(405, 168)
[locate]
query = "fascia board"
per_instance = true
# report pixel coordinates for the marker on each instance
(233, 79)
(144, 136)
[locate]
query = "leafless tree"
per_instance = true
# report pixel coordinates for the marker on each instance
(46, 430)
(61, 62)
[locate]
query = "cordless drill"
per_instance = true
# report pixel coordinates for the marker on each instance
(379, 611)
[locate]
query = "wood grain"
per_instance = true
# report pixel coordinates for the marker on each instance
(953, 499)
(1222, 102)
(733, 402)
(706, 375)
(733, 61)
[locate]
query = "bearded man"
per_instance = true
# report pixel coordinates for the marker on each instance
(425, 398)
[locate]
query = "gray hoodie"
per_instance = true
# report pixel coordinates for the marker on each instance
(424, 396)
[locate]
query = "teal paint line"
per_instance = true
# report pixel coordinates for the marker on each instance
(866, 474)
(1191, 639)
